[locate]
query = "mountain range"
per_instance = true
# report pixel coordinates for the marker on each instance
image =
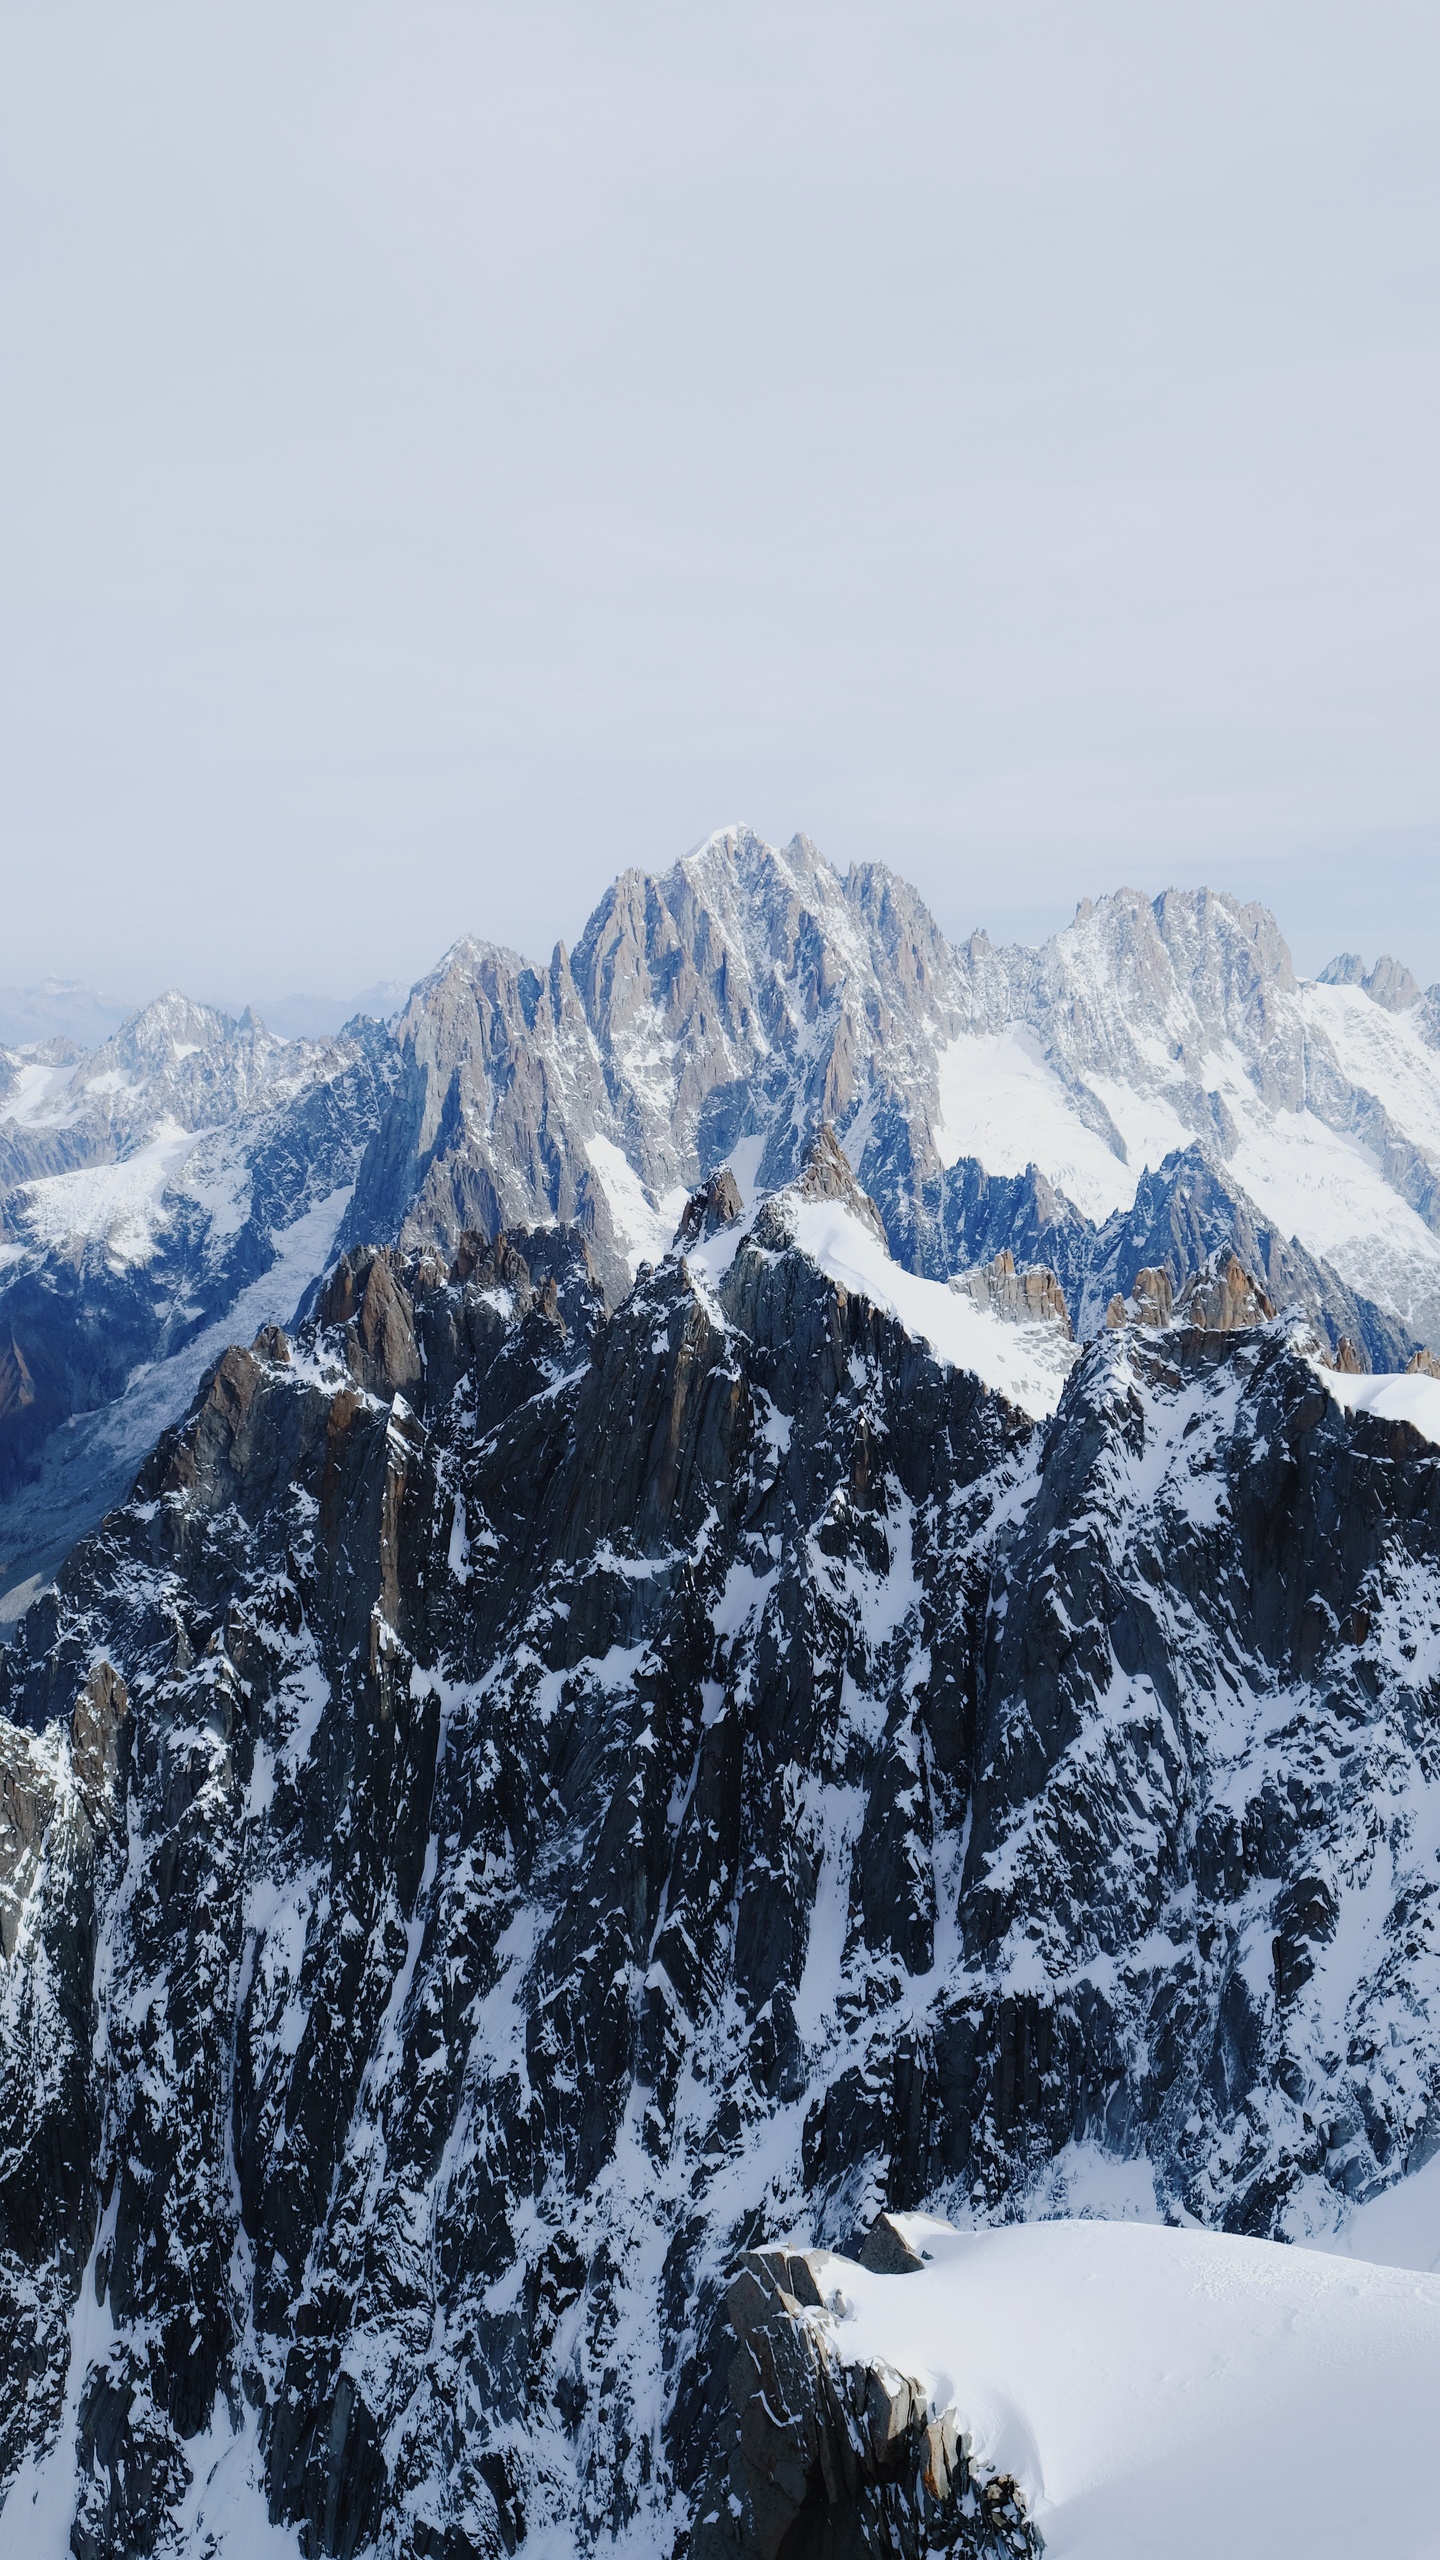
(1152, 1084)
(779, 1578)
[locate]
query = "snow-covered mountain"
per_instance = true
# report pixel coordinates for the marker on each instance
(692, 1702)
(529, 1802)
(1152, 1083)
(160, 1193)
(1150, 1086)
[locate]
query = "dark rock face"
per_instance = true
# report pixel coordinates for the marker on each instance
(524, 1805)
(826, 2458)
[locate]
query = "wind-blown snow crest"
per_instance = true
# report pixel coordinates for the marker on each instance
(1404, 1396)
(1173, 2394)
(1027, 1364)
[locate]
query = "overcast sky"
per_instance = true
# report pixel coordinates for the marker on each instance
(448, 453)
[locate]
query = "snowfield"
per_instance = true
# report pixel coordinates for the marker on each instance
(1002, 1102)
(1395, 1396)
(1026, 1363)
(1174, 2395)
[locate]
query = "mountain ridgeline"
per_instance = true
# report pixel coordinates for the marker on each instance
(790, 1618)
(526, 1803)
(1152, 1085)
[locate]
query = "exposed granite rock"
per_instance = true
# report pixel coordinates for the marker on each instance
(366, 1298)
(827, 2456)
(1389, 982)
(1423, 1364)
(1019, 1297)
(1221, 1297)
(1151, 1302)
(715, 1205)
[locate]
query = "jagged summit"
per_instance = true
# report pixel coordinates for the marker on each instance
(1389, 983)
(826, 1175)
(1220, 1297)
(1147, 1087)
(716, 1205)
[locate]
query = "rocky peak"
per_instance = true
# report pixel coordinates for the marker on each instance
(367, 1302)
(1389, 983)
(1151, 1300)
(1020, 1297)
(1222, 1297)
(1136, 977)
(825, 1174)
(492, 1263)
(715, 1205)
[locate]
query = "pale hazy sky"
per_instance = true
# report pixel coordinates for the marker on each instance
(447, 453)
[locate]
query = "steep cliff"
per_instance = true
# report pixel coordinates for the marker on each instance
(525, 1803)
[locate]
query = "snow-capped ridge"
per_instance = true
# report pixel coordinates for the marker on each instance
(1054, 1102)
(825, 1215)
(1099, 2387)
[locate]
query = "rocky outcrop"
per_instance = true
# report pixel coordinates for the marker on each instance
(827, 2455)
(1151, 1302)
(825, 1174)
(1222, 1297)
(1017, 1297)
(715, 1205)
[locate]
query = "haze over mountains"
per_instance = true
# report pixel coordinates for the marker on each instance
(63, 1009)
